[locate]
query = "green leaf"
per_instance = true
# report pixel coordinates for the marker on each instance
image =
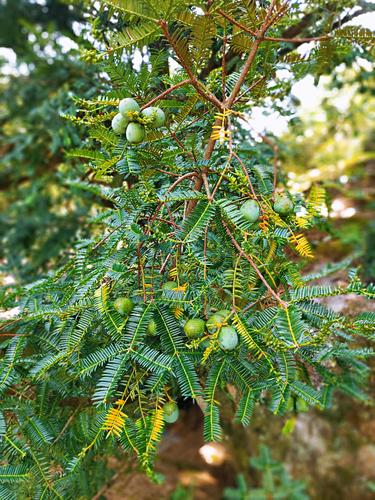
(196, 223)
(306, 392)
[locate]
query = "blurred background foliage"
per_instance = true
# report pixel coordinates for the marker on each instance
(40, 215)
(329, 140)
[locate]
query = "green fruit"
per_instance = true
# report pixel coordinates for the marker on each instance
(135, 133)
(225, 313)
(250, 210)
(128, 105)
(151, 328)
(194, 328)
(171, 412)
(119, 123)
(214, 322)
(169, 285)
(228, 338)
(123, 305)
(157, 115)
(282, 205)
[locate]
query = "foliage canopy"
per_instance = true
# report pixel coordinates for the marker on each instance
(79, 379)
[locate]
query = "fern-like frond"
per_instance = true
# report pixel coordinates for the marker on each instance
(212, 430)
(302, 245)
(245, 408)
(115, 420)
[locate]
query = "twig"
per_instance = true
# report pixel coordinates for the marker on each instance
(180, 179)
(254, 266)
(165, 93)
(249, 61)
(221, 177)
(275, 149)
(243, 166)
(223, 66)
(174, 136)
(208, 96)
(273, 38)
(67, 423)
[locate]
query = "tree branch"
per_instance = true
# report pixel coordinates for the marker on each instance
(272, 38)
(165, 93)
(208, 96)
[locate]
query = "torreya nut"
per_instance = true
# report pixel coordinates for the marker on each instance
(225, 313)
(171, 412)
(228, 338)
(214, 322)
(128, 105)
(283, 205)
(250, 210)
(119, 123)
(123, 305)
(135, 133)
(194, 328)
(151, 328)
(156, 114)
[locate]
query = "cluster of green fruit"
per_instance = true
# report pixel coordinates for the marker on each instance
(193, 328)
(282, 205)
(131, 120)
(217, 323)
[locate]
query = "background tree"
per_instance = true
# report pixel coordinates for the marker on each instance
(40, 215)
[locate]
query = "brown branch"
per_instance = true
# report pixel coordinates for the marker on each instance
(249, 61)
(273, 38)
(208, 96)
(165, 93)
(254, 266)
(223, 67)
(180, 179)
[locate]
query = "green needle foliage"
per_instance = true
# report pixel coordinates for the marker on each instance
(79, 379)
(275, 482)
